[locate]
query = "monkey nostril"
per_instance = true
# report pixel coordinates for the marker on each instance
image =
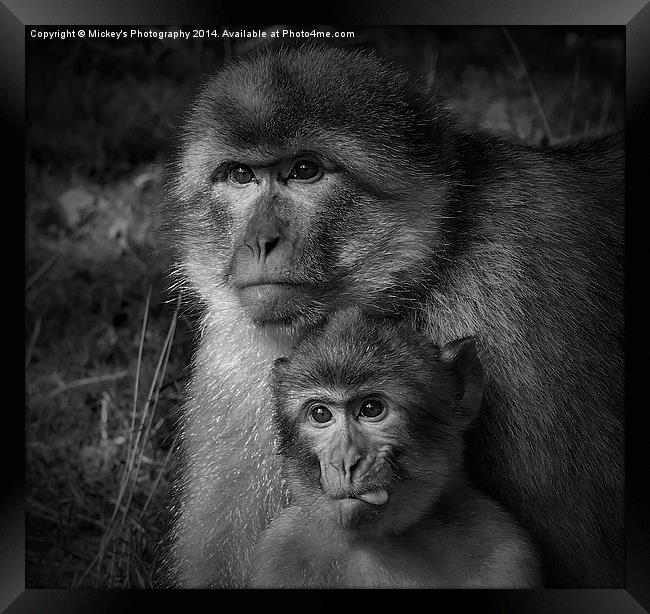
(267, 245)
(351, 466)
(270, 245)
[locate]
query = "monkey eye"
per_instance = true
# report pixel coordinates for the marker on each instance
(240, 173)
(320, 414)
(372, 409)
(305, 169)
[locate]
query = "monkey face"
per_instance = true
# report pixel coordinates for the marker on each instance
(370, 416)
(290, 202)
(354, 443)
(276, 266)
(358, 459)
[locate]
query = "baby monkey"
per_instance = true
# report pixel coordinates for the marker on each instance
(370, 418)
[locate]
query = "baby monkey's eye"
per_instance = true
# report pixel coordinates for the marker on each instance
(372, 409)
(320, 414)
(240, 173)
(305, 169)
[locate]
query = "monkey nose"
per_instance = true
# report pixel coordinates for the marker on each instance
(351, 461)
(339, 470)
(263, 245)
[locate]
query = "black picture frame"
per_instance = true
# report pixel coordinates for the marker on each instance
(15, 15)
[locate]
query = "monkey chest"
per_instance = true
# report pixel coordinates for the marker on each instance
(378, 568)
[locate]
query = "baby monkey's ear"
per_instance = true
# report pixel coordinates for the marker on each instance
(277, 375)
(277, 368)
(278, 363)
(462, 359)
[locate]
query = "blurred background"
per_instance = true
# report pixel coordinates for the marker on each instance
(108, 345)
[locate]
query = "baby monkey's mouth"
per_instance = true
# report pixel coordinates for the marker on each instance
(376, 496)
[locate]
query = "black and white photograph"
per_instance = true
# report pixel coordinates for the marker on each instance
(325, 307)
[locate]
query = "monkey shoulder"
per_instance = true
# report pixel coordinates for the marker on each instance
(509, 560)
(524, 190)
(482, 546)
(509, 557)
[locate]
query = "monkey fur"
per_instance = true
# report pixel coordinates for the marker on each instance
(370, 417)
(314, 179)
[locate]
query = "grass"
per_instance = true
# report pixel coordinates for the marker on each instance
(106, 362)
(107, 346)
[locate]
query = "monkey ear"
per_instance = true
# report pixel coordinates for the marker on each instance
(462, 358)
(278, 363)
(276, 373)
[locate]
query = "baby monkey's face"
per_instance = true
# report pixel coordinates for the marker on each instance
(353, 457)
(355, 439)
(369, 417)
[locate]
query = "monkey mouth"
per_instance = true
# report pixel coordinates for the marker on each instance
(271, 282)
(377, 496)
(271, 300)
(268, 291)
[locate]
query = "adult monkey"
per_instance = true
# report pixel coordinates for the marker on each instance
(317, 178)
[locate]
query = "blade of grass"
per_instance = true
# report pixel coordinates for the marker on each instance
(87, 381)
(574, 95)
(42, 270)
(99, 556)
(531, 86)
(162, 472)
(136, 386)
(32, 341)
(152, 400)
(136, 450)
